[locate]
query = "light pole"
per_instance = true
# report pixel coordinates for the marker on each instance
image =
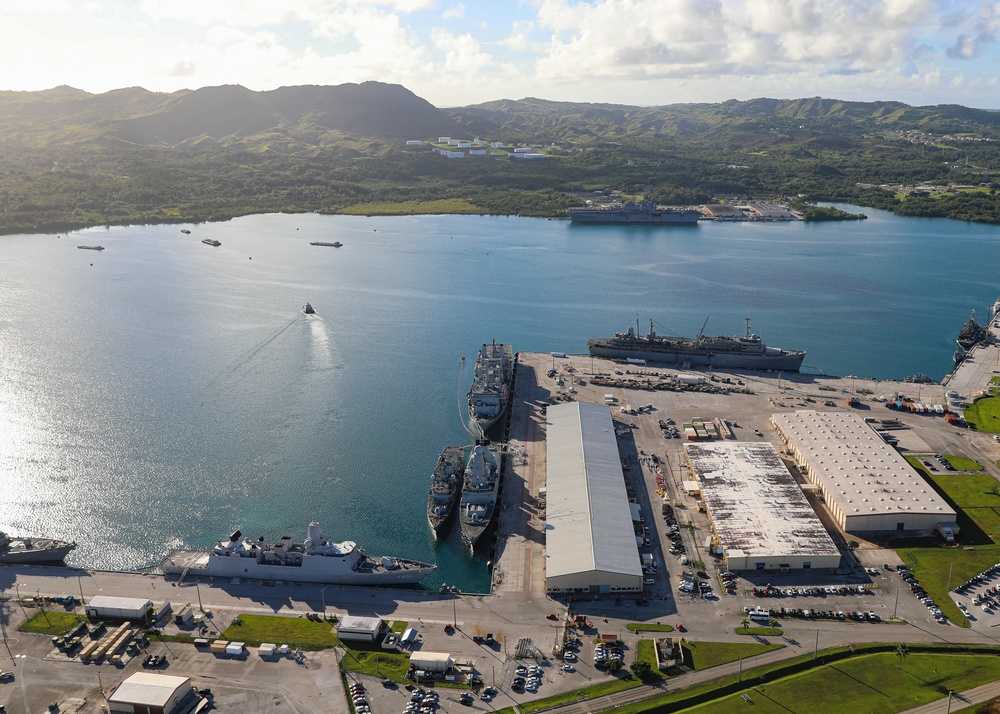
(949, 575)
(949, 701)
(739, 678)
(894, 605)
(79, 582)
(322, 595)
(816, 649)
(201, 607)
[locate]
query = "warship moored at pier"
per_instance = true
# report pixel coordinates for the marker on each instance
(490, 392)
(479, 492)
(446, 483)
(33, 550)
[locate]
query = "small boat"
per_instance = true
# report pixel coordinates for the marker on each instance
(185, 231)
(335, 244)
(308, 309)
(211, 242)
(90, 247)
(446, 482)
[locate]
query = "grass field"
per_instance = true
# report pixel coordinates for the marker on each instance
(762, 631)
(51, 623)
(979, 520)
(291, 631)
(702, 655)
(961, 463)
(984, 414)
(991, 706)
(879, 684)
(622, 682)
(646, 652)
(399, 626)
(377, 663)
(647, 627)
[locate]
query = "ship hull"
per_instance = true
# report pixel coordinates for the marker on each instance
(783, 361)
(206, 564)
(654, 218)
(53, 554)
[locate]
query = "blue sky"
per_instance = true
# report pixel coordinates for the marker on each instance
(644, 52)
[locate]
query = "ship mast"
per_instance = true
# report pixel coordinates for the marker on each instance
(746, 318)
(701, 332)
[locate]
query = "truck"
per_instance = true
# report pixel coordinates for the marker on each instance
(853, 402)
(948, 531)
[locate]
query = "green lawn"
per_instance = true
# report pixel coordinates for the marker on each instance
(988, 707)
(984, 414)
(979, 520)
(291, 631)
(648, 627)
(377, 663)
(762, 631)
(961, 463)
(399, 626)
(702, 655)
(51, 623)
(871, 683)
(617, 684)
(646, 652)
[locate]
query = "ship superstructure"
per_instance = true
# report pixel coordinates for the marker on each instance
(446, 482)
(479, 492)
(747, 352)
(316, 560)
(33, 550)
(644, 213)
(490, 392)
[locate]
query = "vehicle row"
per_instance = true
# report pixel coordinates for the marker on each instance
(984, 577)
(360, 701)
(771, 591)
(918, 592)
(810, 614)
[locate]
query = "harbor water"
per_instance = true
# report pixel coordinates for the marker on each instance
(162, 393)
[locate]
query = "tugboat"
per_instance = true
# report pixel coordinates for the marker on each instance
(212, 242)
(446, 482)
(185, 231)
(308, 309)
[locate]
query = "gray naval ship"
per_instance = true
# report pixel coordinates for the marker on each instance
(644, 213)
(33, 550)
(316, 560)
(479, 492)
(747, 352)
(490, 392)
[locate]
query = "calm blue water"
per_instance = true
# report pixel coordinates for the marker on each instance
(164, 393)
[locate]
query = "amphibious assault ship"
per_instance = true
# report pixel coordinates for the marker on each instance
(491, 381)
(316, 560)
(479, 493)
(747, 352)
(33, 550)
(644, 213)
(446, 482)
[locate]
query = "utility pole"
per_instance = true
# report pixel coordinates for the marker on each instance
(894, 605)
(79, 581)
(816, 650)
(949, 701)
(322, 595)
(740, 676)
(201, 608)
(950, 567)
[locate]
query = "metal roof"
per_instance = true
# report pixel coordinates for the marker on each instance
(861, 473)
(119, 603)
(756, 506)
(152, 690)
(589, 522)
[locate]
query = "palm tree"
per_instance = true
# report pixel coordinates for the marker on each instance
(745, 623)
(902, 653)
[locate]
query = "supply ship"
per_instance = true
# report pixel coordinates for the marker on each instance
(33, 550)
(479, 493)
(317, 560)
(446, 482)
(644, 213)
(491, 381)
(747, 352)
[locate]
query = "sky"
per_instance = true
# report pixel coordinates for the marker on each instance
(460, 52)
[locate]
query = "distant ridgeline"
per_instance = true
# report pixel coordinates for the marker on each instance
(74, 159)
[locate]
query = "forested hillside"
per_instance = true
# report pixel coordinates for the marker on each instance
(71, 159)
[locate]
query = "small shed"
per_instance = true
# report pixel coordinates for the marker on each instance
(107, 607)
(267, 649)
(432, 661)
(359, 629)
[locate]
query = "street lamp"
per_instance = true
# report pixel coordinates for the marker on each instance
(322, 594)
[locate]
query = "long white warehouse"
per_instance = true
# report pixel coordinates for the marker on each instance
(589, 539)
(758, 511)
(867, 485)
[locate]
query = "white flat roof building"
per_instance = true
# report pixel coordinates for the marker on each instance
(147, 693)
(589, 538)
(867, 485)
(759, 514)
(353, 627)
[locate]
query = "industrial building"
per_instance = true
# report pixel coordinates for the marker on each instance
(146, 693)
(866, 484)
(589, 539)
(432, 662)
(108, 607)
(359, 629)
(760, 517)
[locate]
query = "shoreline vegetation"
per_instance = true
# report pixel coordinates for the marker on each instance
(77, 160)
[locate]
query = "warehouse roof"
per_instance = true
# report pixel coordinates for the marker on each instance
(859, 470)
(151, 690)
(757, 508)
(119, 603)
(589, 522)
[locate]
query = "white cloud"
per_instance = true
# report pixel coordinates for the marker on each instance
(454, 12)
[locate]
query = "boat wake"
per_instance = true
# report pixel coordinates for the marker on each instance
(322, 350)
